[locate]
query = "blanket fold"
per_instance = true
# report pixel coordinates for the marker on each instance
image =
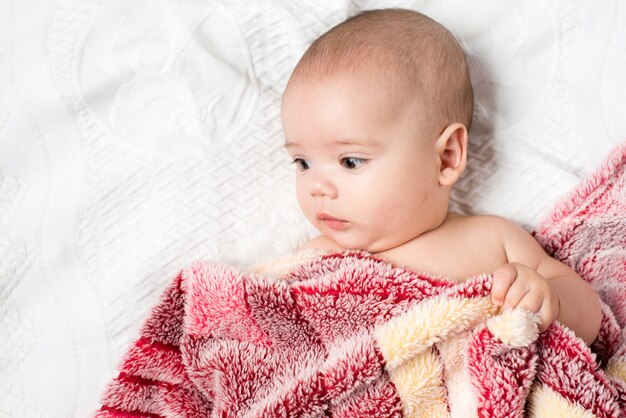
(349, 335)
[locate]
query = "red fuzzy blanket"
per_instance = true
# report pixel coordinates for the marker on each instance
(348, 335)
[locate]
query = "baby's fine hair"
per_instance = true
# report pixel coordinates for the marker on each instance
(418, 55)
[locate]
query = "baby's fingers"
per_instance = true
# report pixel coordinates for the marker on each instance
(548, 312)
(503, 278)
(535, 301)
(532, 302)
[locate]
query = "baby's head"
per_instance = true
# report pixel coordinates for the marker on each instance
(375, 116)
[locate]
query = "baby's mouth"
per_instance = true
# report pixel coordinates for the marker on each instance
(331, 222)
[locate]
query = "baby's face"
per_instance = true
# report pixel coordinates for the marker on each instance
(366, 170)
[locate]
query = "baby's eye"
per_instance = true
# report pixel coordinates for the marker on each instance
(352, 162)
(302, 163)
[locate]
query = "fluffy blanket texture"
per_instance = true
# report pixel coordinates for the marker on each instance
(348, 335)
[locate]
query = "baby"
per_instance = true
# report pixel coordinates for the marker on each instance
(376, 117)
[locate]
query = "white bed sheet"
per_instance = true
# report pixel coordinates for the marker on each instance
(138, 136)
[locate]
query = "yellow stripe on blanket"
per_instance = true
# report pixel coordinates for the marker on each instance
(545, 403)
(419, 383)
(429, 322)
(616, 369)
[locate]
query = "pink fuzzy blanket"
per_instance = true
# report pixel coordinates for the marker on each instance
(348, 335)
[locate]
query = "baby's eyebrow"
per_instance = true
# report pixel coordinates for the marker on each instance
(346, 141)
(368, 142)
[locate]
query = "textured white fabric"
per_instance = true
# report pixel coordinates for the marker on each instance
(138, 136)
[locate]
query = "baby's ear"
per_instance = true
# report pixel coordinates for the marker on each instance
(451, 149)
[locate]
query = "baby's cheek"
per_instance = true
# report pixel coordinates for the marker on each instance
(385, 207)
(304, 203)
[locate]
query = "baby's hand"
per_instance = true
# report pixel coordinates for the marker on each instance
(515, 285)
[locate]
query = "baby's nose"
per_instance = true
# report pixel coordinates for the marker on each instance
(323, 186)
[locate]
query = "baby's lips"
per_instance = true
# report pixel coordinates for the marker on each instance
(334, 223)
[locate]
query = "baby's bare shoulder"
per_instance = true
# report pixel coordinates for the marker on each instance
(491, 231)
(500, 228)
(482, 225)
(489, 222)
(507, 229)
(519, 245)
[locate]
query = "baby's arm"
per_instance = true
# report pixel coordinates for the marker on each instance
(537, 282)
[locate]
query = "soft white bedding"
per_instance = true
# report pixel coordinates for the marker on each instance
(138, 136)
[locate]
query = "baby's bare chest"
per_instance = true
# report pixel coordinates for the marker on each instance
(456, 259)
